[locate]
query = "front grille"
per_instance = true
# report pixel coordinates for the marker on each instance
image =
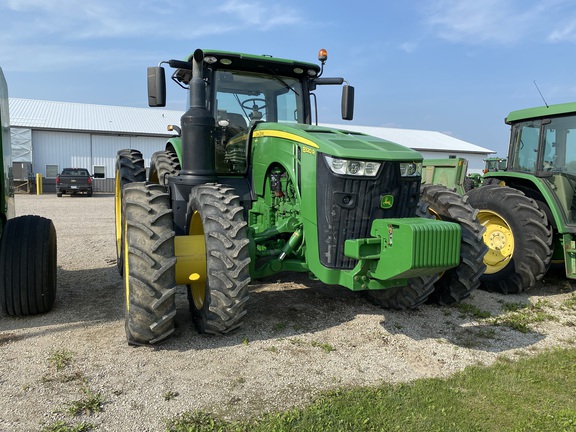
(346, 207)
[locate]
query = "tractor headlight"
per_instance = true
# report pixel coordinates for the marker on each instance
(408, 169)
(353, 167)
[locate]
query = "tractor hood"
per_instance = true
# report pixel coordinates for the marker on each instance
(338, 142)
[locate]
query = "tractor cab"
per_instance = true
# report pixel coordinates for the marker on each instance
(545, 147)
(494, 164)
(243, 90)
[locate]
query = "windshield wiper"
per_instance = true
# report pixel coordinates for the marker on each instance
(281, 81)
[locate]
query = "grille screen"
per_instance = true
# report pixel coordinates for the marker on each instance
(346, 207)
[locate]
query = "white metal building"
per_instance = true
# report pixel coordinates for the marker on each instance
(49, 136)
(54, 135)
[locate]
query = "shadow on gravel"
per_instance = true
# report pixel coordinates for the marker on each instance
(459, 326)
(449, 325)
(83, 298)
(280, 307)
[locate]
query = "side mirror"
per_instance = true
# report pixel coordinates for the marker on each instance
(347, 102)
(156, 87)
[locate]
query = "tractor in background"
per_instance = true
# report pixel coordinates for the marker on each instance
(494, 163)
(529, 208)
(474, 180)
(449, 172)
(27, 243)
(250, 186)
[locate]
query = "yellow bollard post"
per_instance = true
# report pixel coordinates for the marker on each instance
(38, 184)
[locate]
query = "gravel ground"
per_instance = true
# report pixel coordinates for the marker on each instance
(299, 338)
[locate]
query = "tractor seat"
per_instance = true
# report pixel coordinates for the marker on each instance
(237, 124)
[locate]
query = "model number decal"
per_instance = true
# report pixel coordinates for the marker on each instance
(308, 150)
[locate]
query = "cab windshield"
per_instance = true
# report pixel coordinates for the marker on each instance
(544, 145)
(258, 97)
(243, 99)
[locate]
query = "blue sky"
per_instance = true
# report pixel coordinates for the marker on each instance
(454, 66)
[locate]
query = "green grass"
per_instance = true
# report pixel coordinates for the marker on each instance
(468, 309)
(62, 426)
(60, 358)
(279, 326)
(531, 394)
(169, 395)
(326, 347)
(570, 303)
(91, 403)
(519, 316)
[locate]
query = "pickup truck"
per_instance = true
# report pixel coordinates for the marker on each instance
(74, 180)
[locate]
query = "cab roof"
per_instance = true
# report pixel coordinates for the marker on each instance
(243, 61)
(542, 111)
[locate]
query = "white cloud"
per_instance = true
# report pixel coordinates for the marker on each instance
(104, 19)
(409, 47)
(262, 15)
(53, 32)
(505, 22)
(565, 33)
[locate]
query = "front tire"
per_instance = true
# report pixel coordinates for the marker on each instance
(406, 297)
(28, 266)
(129, 169)
(218, 300)
(457, 283)
(518, 237)
(149, 266)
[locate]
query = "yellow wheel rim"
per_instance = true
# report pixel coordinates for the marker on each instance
(118, 212)
(198, 289)
(499, 239)
(434, 213)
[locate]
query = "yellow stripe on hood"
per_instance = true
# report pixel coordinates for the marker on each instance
(285, 135)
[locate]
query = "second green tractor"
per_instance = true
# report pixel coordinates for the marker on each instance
(528, 206)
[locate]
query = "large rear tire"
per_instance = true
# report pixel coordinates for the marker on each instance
(28, 266)
(129, 169)
(457, 283)
(149, 264)
(163, 164)
(518, 237)
(218, 300)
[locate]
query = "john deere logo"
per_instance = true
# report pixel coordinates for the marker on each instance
(387, 201)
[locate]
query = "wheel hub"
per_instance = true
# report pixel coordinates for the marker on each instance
(499, 239)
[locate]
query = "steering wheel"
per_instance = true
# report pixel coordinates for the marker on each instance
(254, 105)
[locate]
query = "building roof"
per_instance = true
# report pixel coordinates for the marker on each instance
(40, 114)
(68, 116)
(420, 140)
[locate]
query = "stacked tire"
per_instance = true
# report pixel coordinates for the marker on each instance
(28, 255)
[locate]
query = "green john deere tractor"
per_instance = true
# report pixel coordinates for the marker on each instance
(249, 187)
(27, 243)
(529, 208)
(474, 180)
(493, 164)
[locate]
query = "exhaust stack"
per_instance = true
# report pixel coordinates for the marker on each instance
(198, 150)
